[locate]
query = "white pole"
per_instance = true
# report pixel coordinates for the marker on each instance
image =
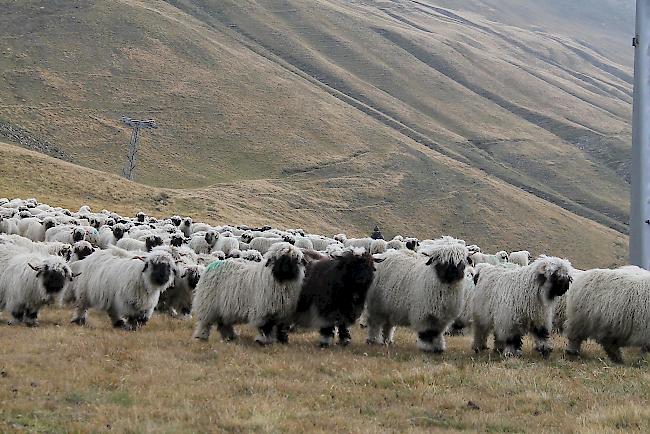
(640, 194)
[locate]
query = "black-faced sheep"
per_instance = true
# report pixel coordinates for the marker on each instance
(423, 292)
(513, 302)
(262, 294)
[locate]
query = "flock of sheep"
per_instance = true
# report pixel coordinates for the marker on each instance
(281, 281)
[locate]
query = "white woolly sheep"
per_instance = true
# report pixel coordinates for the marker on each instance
(227, 244)
(28, 281)
(496, 259)
(126, 288)
(263, 245)
(261, 294)
(522, 257)
(425, 293)
(204, 242)
(513, 302)
(612, 307)
(150, 241)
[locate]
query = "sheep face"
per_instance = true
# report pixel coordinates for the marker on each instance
(193, 275)
(247, 237)
(211, 238)
(140, 216)
(288, 238)
(287, 262)
(412, 244)
(82, 250)
(153, 241)
(554, 276)
(78, 235)
(448, 272)
(49, 223)
(159, 272)
(52, 275)
(503, 256)
(118, 231)
(176, 220)
(177, 240)
(187, 222)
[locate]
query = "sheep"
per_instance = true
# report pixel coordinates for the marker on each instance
(464, 319)
(28, 281)
(320, 243)
(123, 287)
(303, 243)
(333, 295)
(110, 235)
(252, 255)
(359, 242)
(512, 302)
(498, 258)
(34, 228)
(150, 241)
(522, 257)
(262, 245)
(262, 294)
(204, 242)
(65, 234)
(53, 248)
(414, 290)
(341, 238)
(177, 299)
(612, 307)
(81, 250)
(186, 227)
(227, 244)
(378, 246)
(474, 249)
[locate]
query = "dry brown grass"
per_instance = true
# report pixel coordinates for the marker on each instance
(62, 378)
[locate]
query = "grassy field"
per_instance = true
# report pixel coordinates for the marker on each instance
(62, 378)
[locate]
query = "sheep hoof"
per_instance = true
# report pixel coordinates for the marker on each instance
(79, 321)
(262, 340)
(572, 353)
(370, 341)
(344, 342)
(32, 323)
(324, 344)
(544, 351)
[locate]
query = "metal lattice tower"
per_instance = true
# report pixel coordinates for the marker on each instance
(129, 166)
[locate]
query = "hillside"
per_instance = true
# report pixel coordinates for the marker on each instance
(331, 206)
(423, 116)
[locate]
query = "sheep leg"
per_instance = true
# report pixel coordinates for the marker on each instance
(17, 316)
(202, 330)
(282, 333)
(344, 335)
(265, 336)
(513, 346)
(374, 333)
(613, 351)
(431, 341)
(31, 318)
(363, 320)
(542, 341)
(326, 336)
(81, 310)
(573, 346)
(117, 320)
(227, 332)
(480, 338)
(456, 328)
(388, 334)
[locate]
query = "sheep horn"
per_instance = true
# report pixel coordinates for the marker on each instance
(34, 268)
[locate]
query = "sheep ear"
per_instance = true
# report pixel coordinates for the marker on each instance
(38, 269)
(430, 261)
